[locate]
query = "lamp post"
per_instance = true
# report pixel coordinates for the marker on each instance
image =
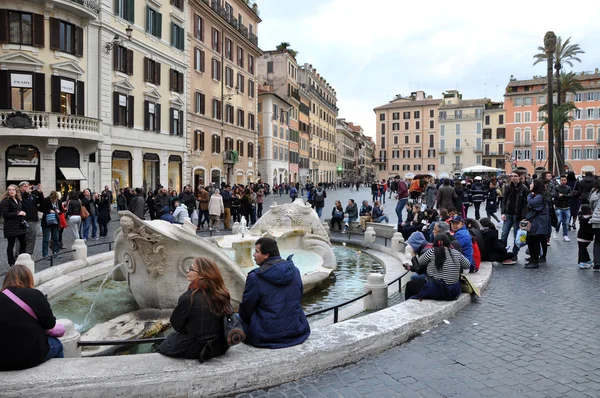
(549, 48)
(117, 40)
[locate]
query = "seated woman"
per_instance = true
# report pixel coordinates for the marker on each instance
(198, 317)
(414, 221)
(377, 213)
(337, 215)
(25, 341)
(495, 250)
(442, 265)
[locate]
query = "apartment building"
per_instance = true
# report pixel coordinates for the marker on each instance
(304, 132)
(274, 138)
(278, 72)
(527, 140)
(406, 131)
(49, 105)
(347, 152)
(461, 133)
(323, 115)
(222, 91)
(494, 135)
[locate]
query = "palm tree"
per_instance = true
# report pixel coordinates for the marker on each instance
(561, 115)
(285, 47)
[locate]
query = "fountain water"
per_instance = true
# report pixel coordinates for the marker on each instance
(98, 293)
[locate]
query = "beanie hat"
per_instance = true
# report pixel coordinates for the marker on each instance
(415, 240)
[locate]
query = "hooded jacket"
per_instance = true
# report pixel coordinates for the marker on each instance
(271, 308)
(416, 240)
(584, 187)
(166, 215)
(466, 242)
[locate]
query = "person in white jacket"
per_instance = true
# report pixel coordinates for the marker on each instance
(215, 209)
(181, 211)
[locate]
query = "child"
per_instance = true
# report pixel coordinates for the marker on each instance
(585, 235)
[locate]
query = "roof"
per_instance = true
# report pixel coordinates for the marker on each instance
(262, 92)
(544, 80)
(467, 103)
(408, 104)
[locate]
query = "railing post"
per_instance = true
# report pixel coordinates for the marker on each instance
(335, 315)
(26, 260)
(70, 339)
(378, 299)
(398, 243)
(370, 236)
(80, 250)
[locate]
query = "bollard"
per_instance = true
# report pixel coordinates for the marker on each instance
(25, 259)
(80, 251)
(70, 339)
(378, 299)
(398, 243)
(370, 236)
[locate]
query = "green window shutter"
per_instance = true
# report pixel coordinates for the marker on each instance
(148, 19)
(173, 35)
(130, 10)
(159, 25)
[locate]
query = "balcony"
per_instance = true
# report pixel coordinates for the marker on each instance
(323, 99)
(296, 94)
(442, 151)
(467, 116)
(457, 150)
(230, 157)
(379, 160)
(457, 166)
(86, 9)
(478, 150)
(47, 124)
(493, 154)
(219, 9)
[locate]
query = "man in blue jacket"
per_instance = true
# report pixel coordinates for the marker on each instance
(462, 235)
(271, 308)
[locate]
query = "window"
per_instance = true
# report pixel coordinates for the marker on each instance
(250, 150)
(23, 28)
(250, 122)
(417, 153)
(251, 88)
(198, 140)
(216, 40)
(577, 114)
(526, 117)
(123, 110)
(589, 97)
(578, 98)
(442, 130)
(151, 71)
(216, 109)
(487, 120)
(577, 134)
(442, 115)
(270, 67)
(176, 81)
(457, 143)
(216, 69)
(591, 112)
(458, 114)
(418, 125)
(417, 114)
(199, 60)
(228, 76)
(382, 117)
(395, 167)
(228, 144)
(22, 91)
(200, 103)
(500, 119)
(589, 133)
(178, 4)
(228, 49)
(396, 115)
(177, 36)
(576, 154)
(518, 101)
(406, 115)
(383, 129)
(417, 167)
(442, 160)
(431, 153)
(417, 139)
(541, 100)
(275, 152)
(527, 101)
(198, 27)
(228, 114)
(395, 140)
(239, 147)
(151, 116)
(215, 144)
(406, 125)
(123, 60)
(240, 57)
(395, 126)
(589, 153)
(240, 117)
(517, 117)
(240, 83)
(176, 122)
(541, 134)
(153, 22)
(66, 37)
(251, 64)
(407, 139)
(125, 9)
(457, 129)
(431, 124)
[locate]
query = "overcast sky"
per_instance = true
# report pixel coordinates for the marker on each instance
(370, 51)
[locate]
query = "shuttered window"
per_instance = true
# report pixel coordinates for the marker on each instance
(151, 71)
(153, 22)
(123, 110)
(66, 37)
(176, 122)
(176, 81)
(177, 36)
(21, 28)
(123, 60)
(200, 103)
(151, 116)
(199, 60)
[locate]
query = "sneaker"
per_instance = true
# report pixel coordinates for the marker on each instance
(596, 267)
(566, 238)
(584, 266)
(542, 260)
(344, 232)
(554, 235)
(509, 262)
(591, 263)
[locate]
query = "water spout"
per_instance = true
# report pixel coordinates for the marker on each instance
(243, 227)
(99, 291)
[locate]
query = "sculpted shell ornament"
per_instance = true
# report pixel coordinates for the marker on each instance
(146, 244)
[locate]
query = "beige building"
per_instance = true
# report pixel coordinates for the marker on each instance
(494, 135)
(407, 136)
(347, 144)
(222, 91)
(323, 114)
(461, 133)
(304, 132)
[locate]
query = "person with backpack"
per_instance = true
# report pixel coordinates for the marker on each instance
(318, 197)
(293, 193)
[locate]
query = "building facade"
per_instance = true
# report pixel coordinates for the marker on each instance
(274, 138)
(222, 91)
(461, 133)
(323, 115)
(347, 152)
(527, 139)
(494, 135)
(406, 131)
(304, 133)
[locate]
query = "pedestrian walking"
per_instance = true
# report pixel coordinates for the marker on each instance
(15, 226)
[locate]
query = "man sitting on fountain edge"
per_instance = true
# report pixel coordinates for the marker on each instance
(271, 308)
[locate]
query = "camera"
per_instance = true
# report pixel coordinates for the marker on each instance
(24, 224)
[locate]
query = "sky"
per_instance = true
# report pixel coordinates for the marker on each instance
(370, 51)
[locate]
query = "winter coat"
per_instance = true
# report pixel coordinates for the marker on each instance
(26, 344)
(366, 210)
(136, 206)
(226, 195)
(12, 222)
(477, 192)
(166, 215)
(189, 200)
(30, 204)
(181, 213)
(519, 194)
(121, 200)
(466, 242)
(584, 188)
(377, 212)
(215, 205)
(160, 202)
(538, 215)
(74, 207)
(196, 330)
(352, 211)
(495, 250)
(204, 198)
(104, 209)
(337, 209)
(430, 195)
(89, 205)
(47, 206)
(491, 205)
(271, 307)
(458, 202)
(562, 202)
(446, 197)
(594, 200)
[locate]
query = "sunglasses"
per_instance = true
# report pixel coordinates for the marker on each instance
(192, 269)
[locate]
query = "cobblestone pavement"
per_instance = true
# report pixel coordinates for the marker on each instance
(534, 333)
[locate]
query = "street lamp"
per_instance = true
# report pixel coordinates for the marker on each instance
(117, 40)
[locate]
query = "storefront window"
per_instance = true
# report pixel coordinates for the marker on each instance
(175, 162)
(215, 177)
(22, 164)
(67, 96)
(21, 91)
(199, 177)
(121, 170)
(151, 171)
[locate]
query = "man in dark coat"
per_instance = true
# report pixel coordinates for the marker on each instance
(188, 199)
(161, 200)
(514, 208)
(271, 308)
(136, 206)
(477, 196)
(32, 200)
(584, 187)
(446, 196)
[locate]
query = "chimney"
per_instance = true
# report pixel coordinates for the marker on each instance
(430, 97)
(596, 71)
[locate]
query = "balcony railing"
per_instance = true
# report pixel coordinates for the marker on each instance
(457, 165)
(477, 150)
(457, 150)
(219, 9)
(230, 157)
(493, 154)
(58, 121)
(323, 99)
(296, 94)
(442, 150)
(468, 116)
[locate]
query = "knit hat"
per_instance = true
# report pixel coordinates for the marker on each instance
(415, 240)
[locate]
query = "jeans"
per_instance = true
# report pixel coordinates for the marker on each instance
(56, 349)
(382, 218)
(582, 255)
(337, 221)
(492, 215)
(75, 223)
(94, 225)
(203, 216)
(375, 196)
(399, 209)
(510, 222)
(259, 209)
(47, 232)
(32, 231)
(227, 217)
(10, 248)
(319, 211)
(86, 227)
(253, 215)
(563, 215)
(477, 206)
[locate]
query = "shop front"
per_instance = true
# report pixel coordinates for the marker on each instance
(68, 170)
(22, 164)
(121, 170)
(175, 172)
(151, 177)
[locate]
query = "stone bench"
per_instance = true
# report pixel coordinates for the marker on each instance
(382, 230)
(354, 226)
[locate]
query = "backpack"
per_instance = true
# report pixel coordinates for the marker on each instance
(319, 196)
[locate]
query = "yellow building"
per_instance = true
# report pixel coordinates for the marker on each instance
(223, 98)
(494, 135)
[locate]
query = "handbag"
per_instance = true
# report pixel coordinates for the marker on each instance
(57, 331)
(466, 286)
(51, 219)
(83, 212)
(62, 220)
(233, 330)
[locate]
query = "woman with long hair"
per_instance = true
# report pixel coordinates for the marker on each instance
(51, 208)
(15, 226)
(198, 317)
(442, 265)
(246, 205)
(25, 341)
(74, 213)
(538, 217)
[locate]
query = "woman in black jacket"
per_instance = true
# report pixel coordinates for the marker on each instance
(74, 213)
(15, 226)
(198, 317)
(25, 341)
(246, 205)
(103, 203)
(51, 207)
(495, 251)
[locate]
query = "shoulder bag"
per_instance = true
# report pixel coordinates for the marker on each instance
(233, 330)
(83, 212)
(57, 331)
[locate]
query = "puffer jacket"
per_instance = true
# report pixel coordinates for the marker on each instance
(594, 200)
(466, 242)
(271, 307)
(478, 193)
(12, 222)
(562, 202)
(538, 215)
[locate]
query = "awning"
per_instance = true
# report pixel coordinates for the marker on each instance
(72, 173)
(21, 174)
